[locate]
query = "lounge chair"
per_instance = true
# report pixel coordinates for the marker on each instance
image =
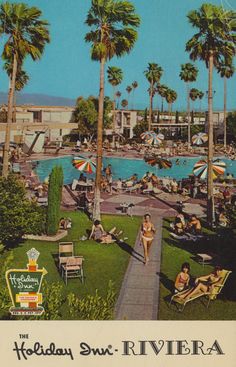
(73, 268)
(211, 296)
(65, 250)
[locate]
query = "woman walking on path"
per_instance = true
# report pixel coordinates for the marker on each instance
(147, 236)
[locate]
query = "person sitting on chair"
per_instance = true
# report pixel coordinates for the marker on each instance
(194, 225)
(182, 278)
(204, 284)
(223, 220)
(178, 226)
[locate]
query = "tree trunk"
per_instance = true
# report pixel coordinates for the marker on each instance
(9, 119)
(162, 104)
(210, 197)
(97, 194)
(114, 116)
(188, 111)
(169, 112)
(225, 101)
(150, 108)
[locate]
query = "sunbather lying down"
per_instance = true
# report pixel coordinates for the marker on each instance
(101, 236)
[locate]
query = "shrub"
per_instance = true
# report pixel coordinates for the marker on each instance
(53, 299)
(54, 200)
(93, 307)
(5, 300)
(18, 215)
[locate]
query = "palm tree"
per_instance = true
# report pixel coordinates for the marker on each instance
(161, 90)
(194, 95)
(22, 79)
(134, 85)
(118, 95)
(200, 96)
(170, 97)
(213, 43)
(124, 103)
(188, 74)
(115, 77)
(153, 74)
(128, 90)
(114, 33)
(27, 35)
(226, 72)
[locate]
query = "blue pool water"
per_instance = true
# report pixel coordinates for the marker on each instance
(124, 168)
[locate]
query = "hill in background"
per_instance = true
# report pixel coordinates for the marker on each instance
(38, 99)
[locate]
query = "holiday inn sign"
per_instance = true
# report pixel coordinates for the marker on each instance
(24, 287)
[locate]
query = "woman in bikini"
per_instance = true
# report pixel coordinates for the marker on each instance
(182, 279)
(147, 235)
(205, 283)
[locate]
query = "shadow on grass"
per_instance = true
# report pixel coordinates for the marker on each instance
(129, 249)
(55, 257)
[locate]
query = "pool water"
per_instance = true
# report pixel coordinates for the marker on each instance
(123, 168)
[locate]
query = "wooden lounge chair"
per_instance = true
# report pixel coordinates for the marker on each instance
(211, 296)
(73, 268)
(65, 250)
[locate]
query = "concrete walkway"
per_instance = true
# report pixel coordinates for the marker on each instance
(139, 294)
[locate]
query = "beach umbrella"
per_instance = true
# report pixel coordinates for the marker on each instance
(146, 135)
(158, 161)
(200, 168)
(155, 139)
(85, 164)
(200, 138)
(152, 138)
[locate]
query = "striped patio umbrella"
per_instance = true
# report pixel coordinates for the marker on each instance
(152, 138)
(199, 139)
(85, 164)
(158, 161)
(146, 135)
(200, 168)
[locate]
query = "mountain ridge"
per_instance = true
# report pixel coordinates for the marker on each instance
(38, 99)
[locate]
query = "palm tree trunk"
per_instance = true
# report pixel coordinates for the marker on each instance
(97, 194)
(169, 112)
(114, 116)
(162, 104)
(188, 111)
(210, 197)
(225, 102)
(128, 99)
(150, 108)
(9, 119)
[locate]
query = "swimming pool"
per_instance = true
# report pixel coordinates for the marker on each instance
(124, 167)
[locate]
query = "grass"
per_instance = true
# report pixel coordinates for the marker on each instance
(222, 244)
(102, 262)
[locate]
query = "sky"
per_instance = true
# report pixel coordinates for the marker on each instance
(67, 70)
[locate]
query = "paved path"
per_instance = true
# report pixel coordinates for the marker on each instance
(139, 295)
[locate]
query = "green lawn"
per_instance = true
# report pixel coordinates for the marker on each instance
(102, 262)
(174, 253)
